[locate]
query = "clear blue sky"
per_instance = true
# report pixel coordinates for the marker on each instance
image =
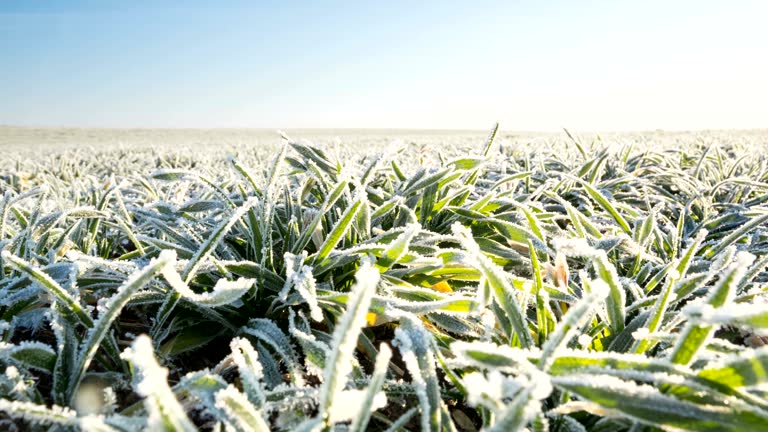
(590, 65)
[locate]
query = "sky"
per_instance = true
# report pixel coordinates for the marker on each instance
(531, 65)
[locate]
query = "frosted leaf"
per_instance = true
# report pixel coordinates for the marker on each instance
(463, 232)
(247, 361)
(62, 295)
(498, 282)
(38, 414)
(315, 351)
(415, 344)
(112, 308)
(339, 362)
(238, 411)
(754, 316)
(209, 245)
(694, 336)
(307, 288)
(84, 263)
(492, 356)
(170, 174)
(150, 381)
(300, 277)
(224, 292)
(450, 305)
(399, 247)
(373, 398)
(648, 405)
(268, 332)
(293, 265)
(29, 354)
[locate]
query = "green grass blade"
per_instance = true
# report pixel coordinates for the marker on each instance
(736, 235)
(338, 231)
(604, 203)
(693, 335)
(747, 369)
(616, 298)
(345, 335)
(576, 317)
(649, 406)
(502, 289)
(45, 281)
(415, 345)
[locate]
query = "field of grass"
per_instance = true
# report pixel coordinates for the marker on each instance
(446, 281)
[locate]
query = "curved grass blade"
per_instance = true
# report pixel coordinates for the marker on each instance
(398, 248)
(110, 312)
(223, 293)
(35, 355)
(308, 230)
(472, 179)
(64, 297)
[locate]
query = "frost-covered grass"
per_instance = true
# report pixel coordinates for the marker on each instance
(548, 283)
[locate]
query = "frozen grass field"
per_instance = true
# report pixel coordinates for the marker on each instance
(383, 280)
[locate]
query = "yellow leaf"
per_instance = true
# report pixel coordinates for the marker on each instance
(370, 318)
(442, 287)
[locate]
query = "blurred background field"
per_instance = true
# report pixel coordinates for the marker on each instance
(23, 146)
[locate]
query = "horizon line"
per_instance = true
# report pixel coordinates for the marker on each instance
(403, 129)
